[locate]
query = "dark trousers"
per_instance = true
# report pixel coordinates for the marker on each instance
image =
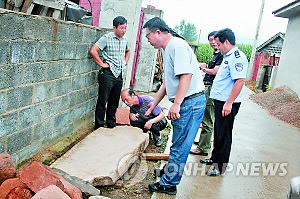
(108, 94)
(223, 134)
(156, 127)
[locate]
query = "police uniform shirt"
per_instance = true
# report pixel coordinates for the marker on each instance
(234, 66)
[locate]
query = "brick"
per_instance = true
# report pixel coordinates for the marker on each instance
(51, 192)
(52, 107)
(7, 168)
(4, 49)
(73, 99)
(61, 120)
(93, 91)
(85, 66)
(90, 106)
(2, 145)
(37, 28)
(19, 193)
(55, 70)
(19, 97)
(18, 140)
(37, 177)
(2, 102)
(66, 130)
(10, 75)
(46, 51)
(28, 152)
(63, 86)
(44, 91)
(122, 116)
(91, 79)
(62, 32)
(66, 102)
(82, 96)
(76, 113)
(34, 73)
(8, 124)
(23, 51)
(42, 129)
(30, 116)
(65, 51)
(14, 31)
(89, 35)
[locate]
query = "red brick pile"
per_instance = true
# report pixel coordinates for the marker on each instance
(35, 181)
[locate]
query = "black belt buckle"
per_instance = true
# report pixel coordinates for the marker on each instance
(206, 83)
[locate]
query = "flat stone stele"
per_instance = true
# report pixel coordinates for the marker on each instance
(105, 155)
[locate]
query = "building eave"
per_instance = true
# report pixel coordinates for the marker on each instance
(288, 10)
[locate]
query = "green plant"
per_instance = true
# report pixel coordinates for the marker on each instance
(268, 88)
(247, 49)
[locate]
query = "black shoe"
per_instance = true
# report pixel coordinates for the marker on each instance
(206, 161)
(111, 126)
(158, 142)
(156, 187)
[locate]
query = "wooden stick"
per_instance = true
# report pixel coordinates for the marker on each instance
(156, 156)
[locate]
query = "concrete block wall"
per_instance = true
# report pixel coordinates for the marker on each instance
(48, 81)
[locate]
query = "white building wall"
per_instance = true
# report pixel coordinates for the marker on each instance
(288, 73)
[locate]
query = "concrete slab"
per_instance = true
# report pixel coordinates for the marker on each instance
(104, 155)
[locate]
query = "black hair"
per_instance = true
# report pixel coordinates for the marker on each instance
(226, 34)
(157, 23)
(213, 33)
(119, 20)
(131, 91)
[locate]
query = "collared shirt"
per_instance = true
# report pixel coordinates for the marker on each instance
(180, 59)
(113, 52)
(234, 66)
(142, 108)
(215, 61)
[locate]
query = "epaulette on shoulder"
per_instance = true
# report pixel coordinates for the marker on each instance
(237, 54)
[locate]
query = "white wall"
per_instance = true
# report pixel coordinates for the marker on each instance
(288, 73)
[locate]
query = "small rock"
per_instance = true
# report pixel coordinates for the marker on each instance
(119, 184)
(122, 116)
(19, 193)
(7, 168)
(9, 185)
(51, 192)
(98, 197)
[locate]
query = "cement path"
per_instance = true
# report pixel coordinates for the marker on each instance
(258, 139)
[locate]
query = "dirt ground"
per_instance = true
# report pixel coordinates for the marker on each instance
(281, 103)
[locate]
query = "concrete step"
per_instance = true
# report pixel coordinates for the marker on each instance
(105, 155)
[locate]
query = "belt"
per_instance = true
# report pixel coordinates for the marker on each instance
(191, 96)
(207, 83)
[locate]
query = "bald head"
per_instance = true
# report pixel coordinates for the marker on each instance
(129, 97)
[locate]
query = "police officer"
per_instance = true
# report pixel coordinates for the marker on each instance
(210, 71)
(226, 92)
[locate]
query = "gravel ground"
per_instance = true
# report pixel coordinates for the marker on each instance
(282, 103)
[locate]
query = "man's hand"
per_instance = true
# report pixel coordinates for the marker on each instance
(148, 124)
(133, 117)
(202, 66)
(226, 109)
(105, 65)
(149, 111)
(174, 112)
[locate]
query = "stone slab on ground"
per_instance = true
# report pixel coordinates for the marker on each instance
(105, 155)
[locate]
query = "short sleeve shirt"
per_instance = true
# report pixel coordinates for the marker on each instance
(234, 66)
(143, 107)
(179, 59)
(113, 51)
(215, 61)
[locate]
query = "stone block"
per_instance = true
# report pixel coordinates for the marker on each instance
(55, 70)
(62, 32)
(86, 188)
(71, 68)
(63, 86)
(19, 97)
(2, 102)
(18, 140)
(23, 51)
(122, 116)
(19, 193)
(30, 116)
(11, 32)
(52, 107)
(89, 35)
(75, 34)
(2, 145)
(91, 79)
(38, 28)
(44, 91)
(9, 185)
(7, 168)
(28, 152)
(10, 75)
(78, 82)
(84, 66)
(4, 49)
(82, 51)
(8, 124)
(37, 177)
(82, 96)
(65, 51)
(51, 192)
(61, 120)
(93, 91)
(76, 113)
(66, 130)
(34, 73)
(42, 129)
(119, 147)
(46, 51)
